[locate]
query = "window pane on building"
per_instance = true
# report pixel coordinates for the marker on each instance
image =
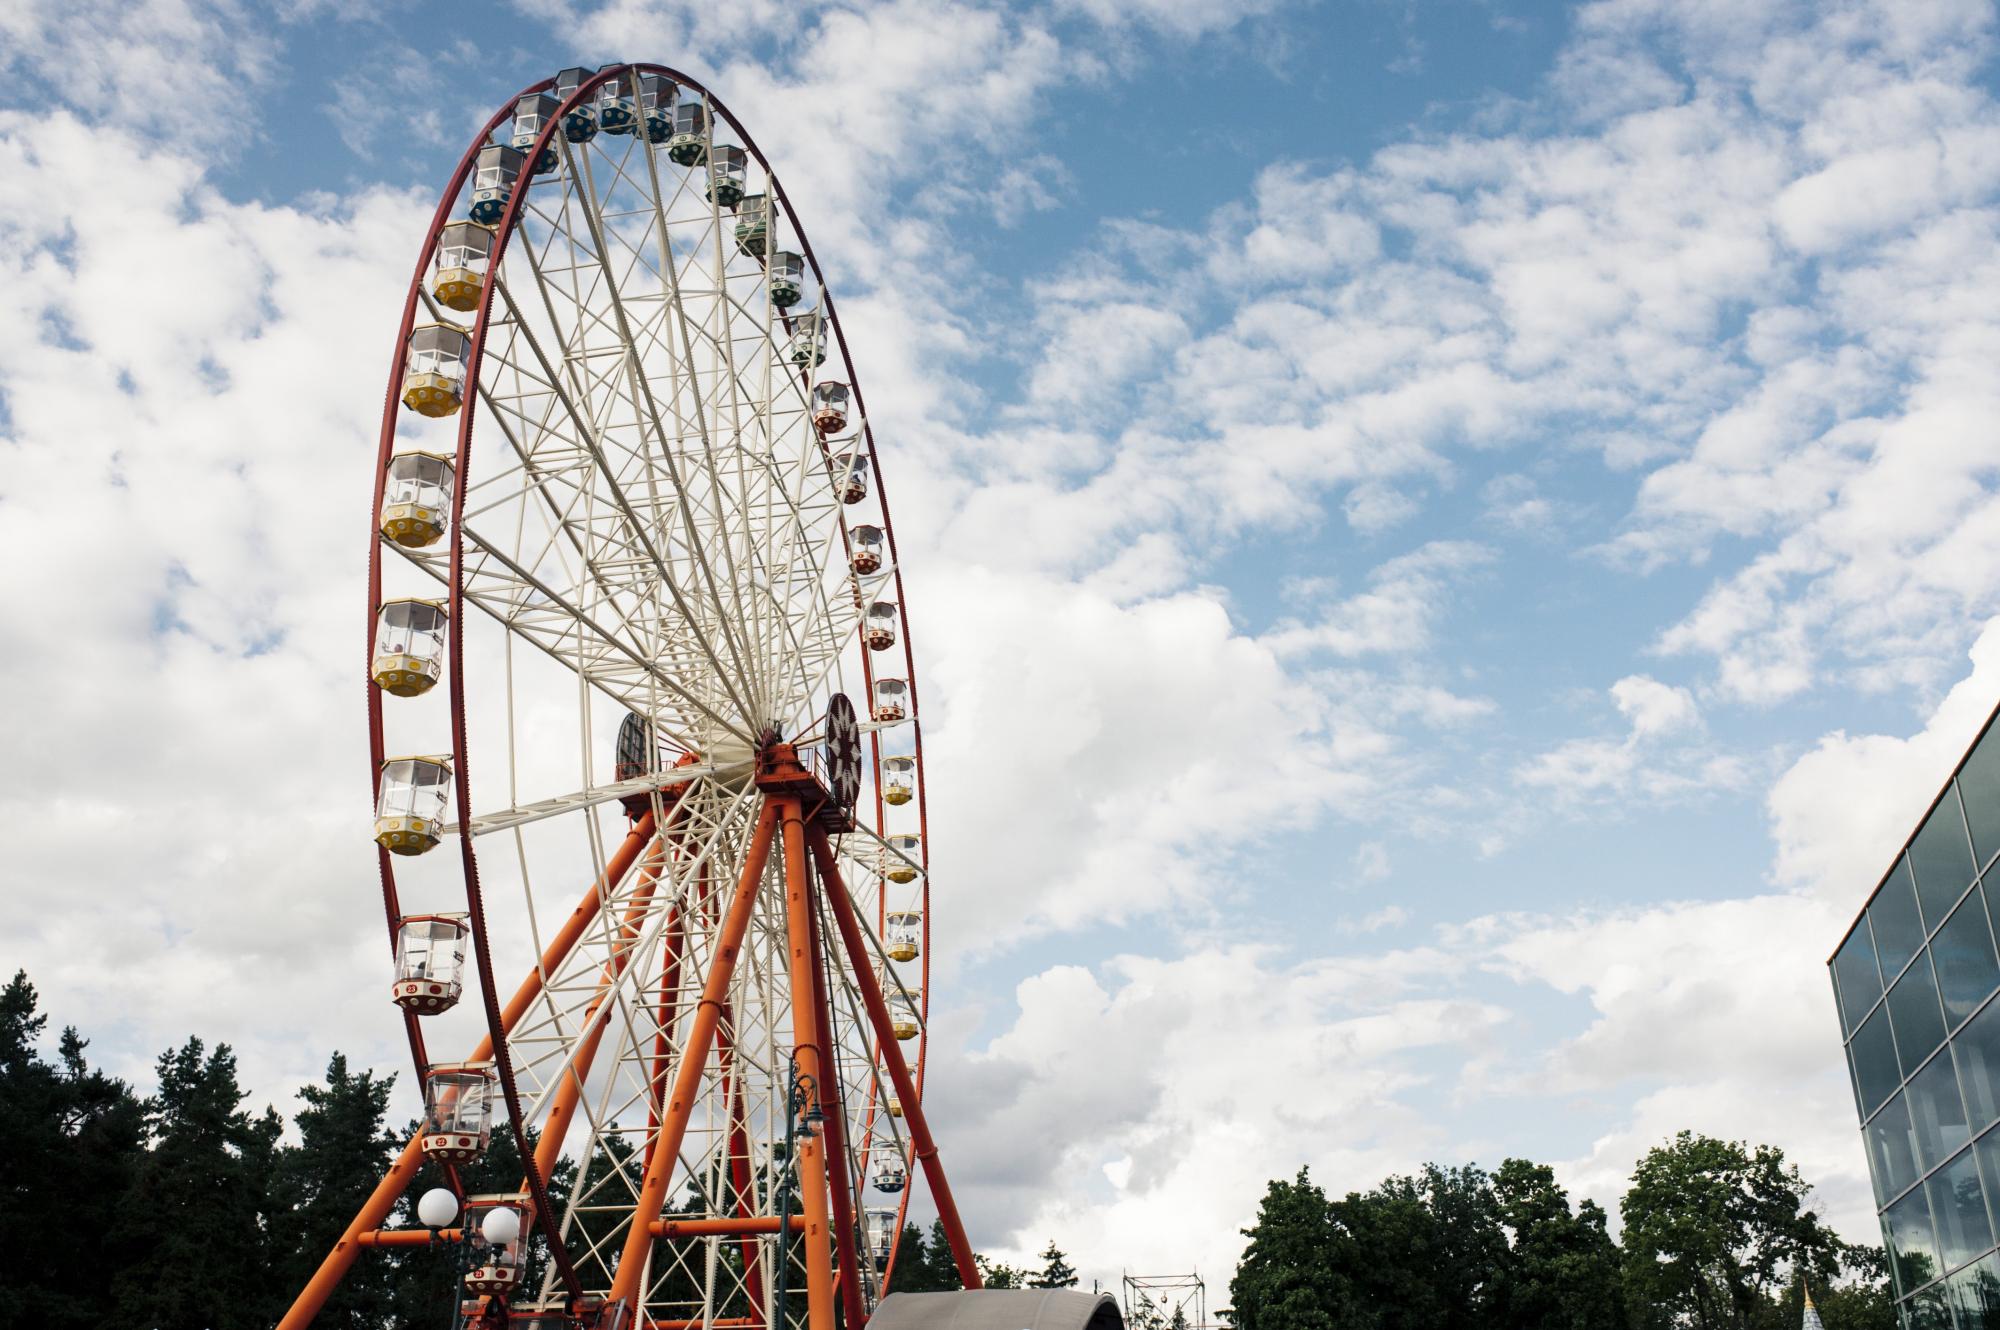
(1974, 1293)
(1914, 1011)
(1941, 857)
(1958, 1208)
(1892, 917)
(1968, 967)
(1854, 972)
(1874, 1054)
(1927, 1311)
(1977, 1050)
(1892, 1150)
(1979, 786)
(1912, 1249)
(1936, 1114)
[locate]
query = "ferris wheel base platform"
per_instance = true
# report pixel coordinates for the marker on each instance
(998, 1309)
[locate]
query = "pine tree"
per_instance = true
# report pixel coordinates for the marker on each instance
(323, 1180)
(1056, 1271)
(74, 1138)
(190, 1249)
(942, 1265)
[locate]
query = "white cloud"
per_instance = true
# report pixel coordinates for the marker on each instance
(1654, 708)
(1398, 613)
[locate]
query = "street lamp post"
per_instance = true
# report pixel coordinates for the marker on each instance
(804, 1120)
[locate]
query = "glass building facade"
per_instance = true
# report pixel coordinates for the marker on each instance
(1915, 982)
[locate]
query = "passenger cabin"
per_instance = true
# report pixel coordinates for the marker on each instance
(580, 121)
(617, 109)
(499, 1238)
(879, 628)
(494, 174)
(787, 279)
(829, 404)
(899, 779)
(657, 94)
(458, 1110)
(903, 1019)
(879, 1226)
(409, 811)
(887, 1172)
(901, 932)
(430, 962)
(808, 346)
(409, 646)
(728, 172)
(531, 113)
(416, 501)
(434, 369)
(688, 144)
(753, 225)
(869, 547)
(852, 473)
(892, 699)
(458, 269)
(900, 864)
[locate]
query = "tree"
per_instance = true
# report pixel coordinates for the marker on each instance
(342, 1153)
(1562, 1268)
(1287, 1278)
(1056, 1271)
(943, 1265)
(75, 1137)
(997, 1274)
(1713, 1229)
(923, 1267)
(188, 1247)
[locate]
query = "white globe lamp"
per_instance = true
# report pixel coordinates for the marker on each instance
(437, 1207)
(501, 1226)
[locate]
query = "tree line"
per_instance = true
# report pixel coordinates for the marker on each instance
(1716, 1235)
(181, 1210)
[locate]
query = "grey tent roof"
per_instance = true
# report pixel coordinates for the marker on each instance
(998, 1309)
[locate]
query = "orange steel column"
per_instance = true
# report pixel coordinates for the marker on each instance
(892, 1055)
(840, 1178)
(805, 1041)
(397, 1180)
(663, 1155)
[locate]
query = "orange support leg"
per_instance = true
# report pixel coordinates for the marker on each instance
(892, 1055)
(839, 1177)
(805, 1040)
(663, 1155)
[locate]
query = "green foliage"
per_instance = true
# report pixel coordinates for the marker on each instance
(1717, 1235)
(923, 1266)
(1291, 1276)
(1713, 1231)
(73, 1140)
(996, 1274)
(1562, 1269)
(342, 1152)
(1056, 1271)
(191, 1233)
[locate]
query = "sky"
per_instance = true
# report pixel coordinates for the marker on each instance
(1448, 542)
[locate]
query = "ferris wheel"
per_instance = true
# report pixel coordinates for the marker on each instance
(630, 560)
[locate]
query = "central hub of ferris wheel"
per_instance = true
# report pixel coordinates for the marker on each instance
(651, 882)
